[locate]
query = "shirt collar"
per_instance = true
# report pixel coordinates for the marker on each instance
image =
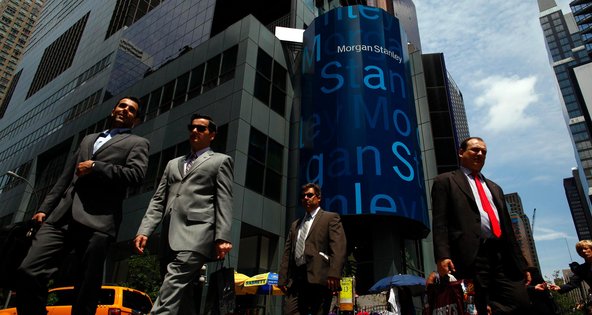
(195, 155)
(114, 131)
(313, 213)
(468, 172)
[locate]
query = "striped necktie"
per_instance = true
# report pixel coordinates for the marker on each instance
(190, 161)
(299, 252)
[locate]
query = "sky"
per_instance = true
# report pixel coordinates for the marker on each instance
(495, 52)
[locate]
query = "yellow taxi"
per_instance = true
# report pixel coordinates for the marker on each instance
(113, 300)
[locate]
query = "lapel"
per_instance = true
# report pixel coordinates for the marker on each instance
(497, 199)
(87, 152)
(316, 220)
(463, 184)
(200, 159)
(118, 137)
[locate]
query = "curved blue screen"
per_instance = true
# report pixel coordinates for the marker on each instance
(358, 133)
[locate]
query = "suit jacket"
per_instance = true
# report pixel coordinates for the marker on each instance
(95, 200)
(196, 207)
(325, 236)
(580, 273)
(457, 223)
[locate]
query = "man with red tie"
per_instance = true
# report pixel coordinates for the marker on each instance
(473, 235)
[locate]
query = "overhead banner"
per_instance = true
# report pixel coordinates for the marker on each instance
(358, 134)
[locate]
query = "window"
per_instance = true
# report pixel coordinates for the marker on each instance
(196, 81)
(228, 64)
(9, 93)
(127, 12)
(153, 104)
(265, 165)
(167, 97)
(212, 71)
(181, 89)
(58, 56)
(270, 83)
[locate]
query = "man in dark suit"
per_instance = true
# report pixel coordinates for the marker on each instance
(194, 202)
(473, 235)
(314, 255)
(83, 211)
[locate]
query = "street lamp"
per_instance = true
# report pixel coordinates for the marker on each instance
(19, 177)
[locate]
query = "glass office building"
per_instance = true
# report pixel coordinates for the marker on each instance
(180, 57)
(567, 56)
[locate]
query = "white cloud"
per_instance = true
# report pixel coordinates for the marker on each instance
(505, 101)
(546, 234)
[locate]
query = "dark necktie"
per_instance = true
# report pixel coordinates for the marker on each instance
(495, 226)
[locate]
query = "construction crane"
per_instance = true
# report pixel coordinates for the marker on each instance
(533, 217)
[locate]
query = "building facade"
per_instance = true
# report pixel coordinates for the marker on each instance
(579, 208)
(522, 229)
(582, 11)
(571, 63)
(16, 25)
(447, 112)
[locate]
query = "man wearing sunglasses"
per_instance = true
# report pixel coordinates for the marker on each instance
(194, 202)
(82, 212)
(314, 255)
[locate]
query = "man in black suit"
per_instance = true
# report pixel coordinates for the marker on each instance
(314, 255)
(473, 235)
(83, 211)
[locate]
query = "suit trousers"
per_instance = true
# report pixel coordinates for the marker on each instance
(175, 294)
(51, 246)
(502, 289)
(304, 298)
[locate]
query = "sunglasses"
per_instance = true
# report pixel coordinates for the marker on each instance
(308, 195)
(200, 128)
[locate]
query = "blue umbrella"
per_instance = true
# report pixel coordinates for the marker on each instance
(415, 282)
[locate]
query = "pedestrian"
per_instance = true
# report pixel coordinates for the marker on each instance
(194, 203)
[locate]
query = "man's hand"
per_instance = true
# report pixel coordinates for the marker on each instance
(140, 243)
(527, 278)
(39, 217)
(222, 248)
(333, 284)
(445, 267)
(84, 168)
(553, 287)
(541, 286)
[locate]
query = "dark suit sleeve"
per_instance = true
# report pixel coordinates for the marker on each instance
(337, 246)
(440, 195)
(59, 189)
(574, 282)
(223, 200)
(285, 263)
(133, 171)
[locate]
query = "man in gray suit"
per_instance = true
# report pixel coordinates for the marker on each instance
(194, 201)
(313, 259)
(83, 212)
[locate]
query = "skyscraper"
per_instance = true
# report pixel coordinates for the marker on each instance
(567, 54)
(18, 22)
(579, 208)
(447, 112)
(522, 229)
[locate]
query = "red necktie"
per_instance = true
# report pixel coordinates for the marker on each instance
(495, 227)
